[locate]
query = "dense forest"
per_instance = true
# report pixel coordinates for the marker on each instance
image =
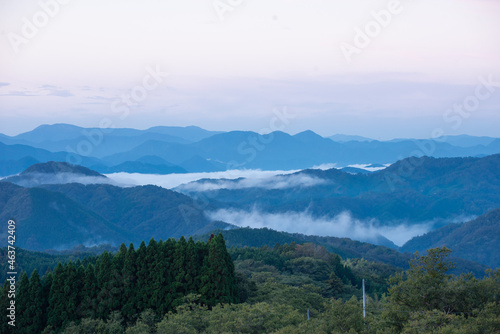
(155, 278)
(195, 287)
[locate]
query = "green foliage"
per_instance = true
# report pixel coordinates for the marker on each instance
(28, 261)
(241, 318)
(218, 282)
(34, 312)
(346, 248)
(309, 264)
(4, 304)
(279, 285)
(104, 297)
(22, 303)
(428, 297)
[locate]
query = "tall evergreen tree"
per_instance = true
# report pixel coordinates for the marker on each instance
(104, 286)
(219, 283)
(142, 277)
(180, 270)
(57, 313)
(150, 290)
(4, 304)
(22, 304)
(168, 289)
(192, 267)
(116, 280)
(46, 287)
(158, 278)
(129, 274)
(72, 285)
(35, 310)
(88, 294)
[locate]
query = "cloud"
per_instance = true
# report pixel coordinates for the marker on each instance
(60, 93)
(101, 98)
(19, 93)
(342, 225)
(54, 91)
(45, 90)
(2, 84)
(170, 181)
(271, 182)
(365, 166)
(325, 166)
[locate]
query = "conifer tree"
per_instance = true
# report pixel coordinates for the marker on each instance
(22, 303)
(219, 283)
(142, 278)
(231, 278)
(158, 279)
(88, 294)
(129, 275)
(72, 286)
(150, 293)
(103, 284)
(35, 311)
(4, 304)
(180, 270)
(57, 314)
(46, 287)
(168, 288)
(116, 280)
(192, 267)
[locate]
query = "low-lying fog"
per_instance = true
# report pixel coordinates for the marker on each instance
(170, 181)
(342, 225)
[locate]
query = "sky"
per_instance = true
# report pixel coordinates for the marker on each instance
(380, 69)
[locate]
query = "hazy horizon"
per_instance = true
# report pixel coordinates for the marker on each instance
(10, 134)
(379, 69)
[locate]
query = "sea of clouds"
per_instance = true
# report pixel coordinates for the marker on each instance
(342, 225)
(246, 178)
(170, 181)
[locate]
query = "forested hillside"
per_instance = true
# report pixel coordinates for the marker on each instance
(61, 216)
(344, 247)
(412, 190)
(477, 240)
(158, 289)
(155, 278)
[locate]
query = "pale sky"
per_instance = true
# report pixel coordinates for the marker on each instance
(232, 63)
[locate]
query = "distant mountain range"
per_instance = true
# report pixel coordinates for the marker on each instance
(164, 150)
(345, 138)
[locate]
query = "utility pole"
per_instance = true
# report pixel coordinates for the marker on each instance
(364, 300)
